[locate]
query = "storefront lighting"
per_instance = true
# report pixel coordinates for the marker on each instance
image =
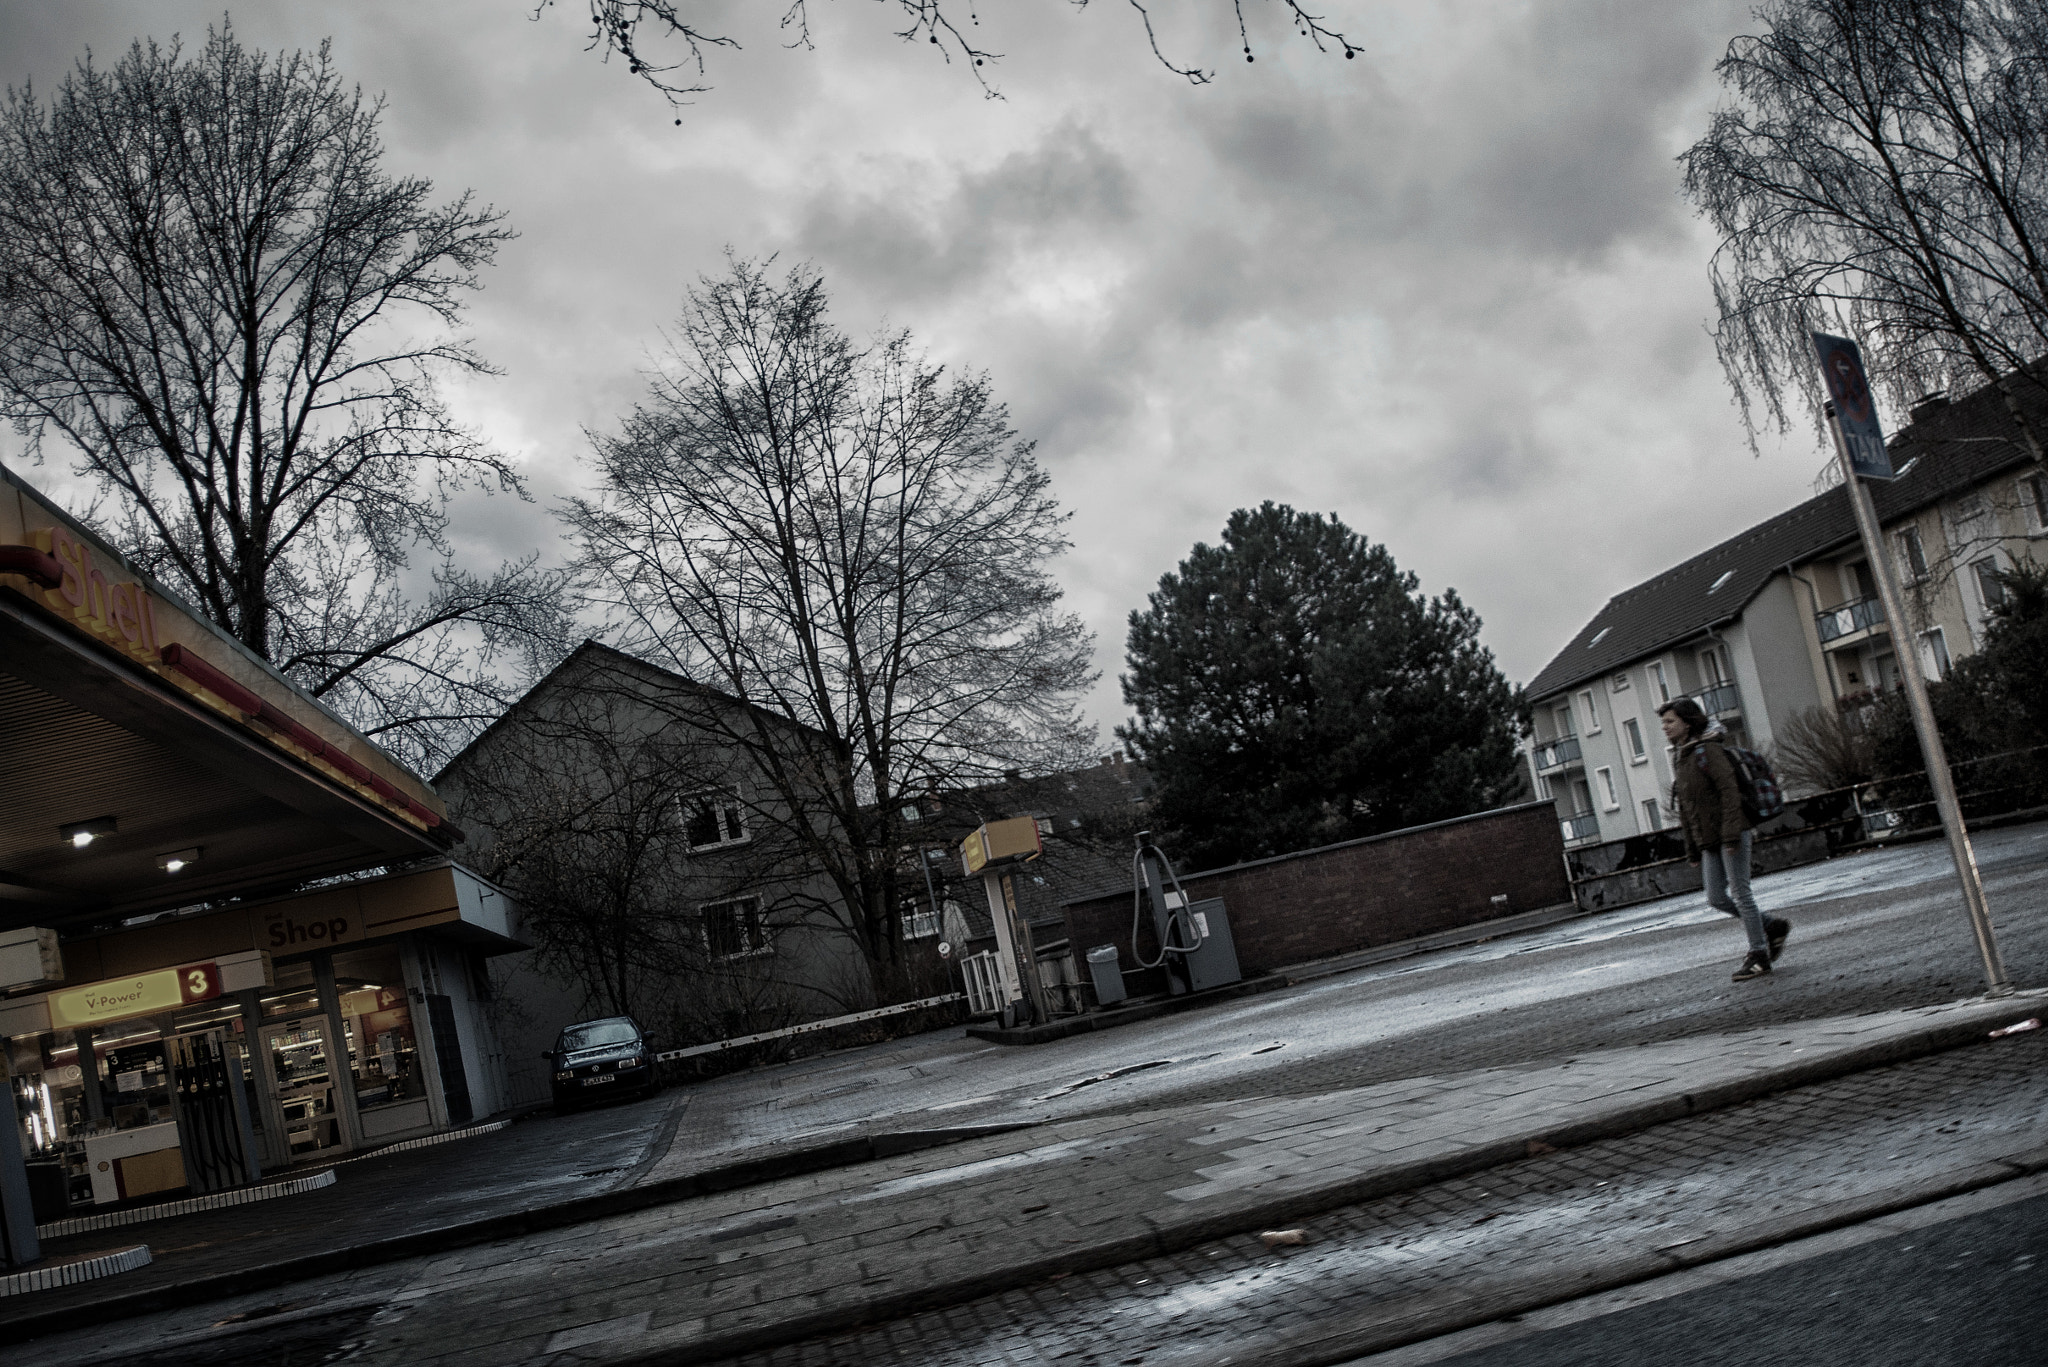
(83, 833)
(177, 859)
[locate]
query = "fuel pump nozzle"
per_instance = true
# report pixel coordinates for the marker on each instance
(1173, 921)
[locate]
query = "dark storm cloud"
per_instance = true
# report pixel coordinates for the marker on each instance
(1446, 290)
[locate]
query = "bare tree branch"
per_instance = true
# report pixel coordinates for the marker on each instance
(211, 293)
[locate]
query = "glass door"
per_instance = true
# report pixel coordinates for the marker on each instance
(305, 1085)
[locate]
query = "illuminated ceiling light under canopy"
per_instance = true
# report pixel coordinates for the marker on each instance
(83, 833)
(177, 859)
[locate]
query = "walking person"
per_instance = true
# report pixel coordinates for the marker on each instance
(1718, 833)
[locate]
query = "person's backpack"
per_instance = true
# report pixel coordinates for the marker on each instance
(1762, 796)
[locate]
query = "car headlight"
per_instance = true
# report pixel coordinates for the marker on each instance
(633, 1062)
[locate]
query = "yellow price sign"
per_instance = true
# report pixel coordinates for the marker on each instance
(142, 994)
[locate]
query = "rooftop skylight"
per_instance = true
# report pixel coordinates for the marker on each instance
(1597, 635)
(1715, 587)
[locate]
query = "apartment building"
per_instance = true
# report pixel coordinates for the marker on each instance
(1785, 616)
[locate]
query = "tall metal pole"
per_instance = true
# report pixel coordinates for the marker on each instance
(1931, 749)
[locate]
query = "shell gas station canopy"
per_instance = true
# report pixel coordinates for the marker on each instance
(151, 762)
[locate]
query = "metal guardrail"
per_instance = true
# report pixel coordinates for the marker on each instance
(1580, 826)
(1836, 623)
(808, 1027)
(1558, 752)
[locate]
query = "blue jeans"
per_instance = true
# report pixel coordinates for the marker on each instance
(1727, 880)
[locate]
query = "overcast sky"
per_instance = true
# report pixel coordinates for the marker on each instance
(1448, 291)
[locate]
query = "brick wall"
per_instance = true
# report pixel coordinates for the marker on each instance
(1316, 903)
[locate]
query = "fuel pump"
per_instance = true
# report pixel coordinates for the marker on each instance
(990, 851)
(1195, 946)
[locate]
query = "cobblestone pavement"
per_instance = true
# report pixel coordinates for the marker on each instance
(1506, 1239)
(664, 1284)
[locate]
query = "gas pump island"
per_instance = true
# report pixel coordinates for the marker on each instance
(1195, 946)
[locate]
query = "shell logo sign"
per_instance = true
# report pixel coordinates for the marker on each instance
(120, 613)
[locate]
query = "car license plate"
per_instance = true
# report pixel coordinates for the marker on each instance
(594, 1081)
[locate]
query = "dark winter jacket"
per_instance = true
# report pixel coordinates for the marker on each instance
(1709, 798)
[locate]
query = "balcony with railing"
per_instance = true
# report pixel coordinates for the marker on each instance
(1720, 700)
(1580, 826)
(1557, 754)
(1848, 619)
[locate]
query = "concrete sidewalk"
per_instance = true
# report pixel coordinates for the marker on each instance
(803, 1255)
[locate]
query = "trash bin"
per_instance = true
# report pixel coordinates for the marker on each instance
(1109, 978)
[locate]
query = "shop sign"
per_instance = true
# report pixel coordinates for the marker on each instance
(120, 613)
(286, 933)
(143, 994)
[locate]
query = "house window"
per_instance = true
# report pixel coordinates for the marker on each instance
(1658, 681)
(911, 813)
(1633, 729)
(1607, 797)
(1653, 815)
(1620, 682)
(1592, 712)
(735, 929)
(1912, 554)
(2034, 498)
(1562, 719)
(1710, 667)
(1934, 655)
(713, 819)
(1990, 583)
(1970, 516)
(921, 924)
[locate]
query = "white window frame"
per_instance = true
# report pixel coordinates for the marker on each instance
(1653, 814)
(2033, 491)
(1620, 683)
(922, 923)
(1935, 661)
(1985, 602)
(729, 818)
(1592, 711)
(1711, 668)
(1662, 683)
(1912, 554)
(1563, 714)
(1638, 752)
(753, 934)
(1609, 796)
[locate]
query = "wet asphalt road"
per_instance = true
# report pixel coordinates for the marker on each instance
(1874, 931)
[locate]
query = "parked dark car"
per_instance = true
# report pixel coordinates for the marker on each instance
(596, 1060)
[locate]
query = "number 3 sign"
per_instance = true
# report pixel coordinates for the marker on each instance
(198, 982)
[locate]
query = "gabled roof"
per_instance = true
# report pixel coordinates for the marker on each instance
(595, 653)
(1958, 445)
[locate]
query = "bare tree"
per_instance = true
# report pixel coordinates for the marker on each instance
(1882, 168)
(1823, 749)
(212, 295)
(620, 28)
(856, 545)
